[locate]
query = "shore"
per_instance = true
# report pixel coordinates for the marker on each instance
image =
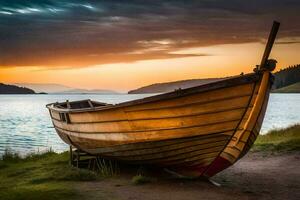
(269, 171)
(257, 176)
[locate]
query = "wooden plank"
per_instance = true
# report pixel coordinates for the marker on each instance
(149, 145)
(202, 162)
(55, 115)
(192, 109)
(234, 81)
(230, 153)
(192, 158)
(157, 109)
(234, 152)
(204, 97)
(166, 148)
(153, 124)
(216, 145)
(228, 156)
(133, 137)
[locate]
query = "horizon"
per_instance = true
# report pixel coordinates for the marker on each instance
(122, 46)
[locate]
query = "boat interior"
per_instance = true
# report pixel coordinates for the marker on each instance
(80, 104)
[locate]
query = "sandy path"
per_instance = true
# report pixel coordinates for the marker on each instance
(256, 176)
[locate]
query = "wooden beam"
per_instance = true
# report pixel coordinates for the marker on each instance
(269, 44)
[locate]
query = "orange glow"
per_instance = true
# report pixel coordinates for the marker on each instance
(224, 60)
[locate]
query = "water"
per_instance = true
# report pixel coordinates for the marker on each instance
(283, 110)
(25, 124)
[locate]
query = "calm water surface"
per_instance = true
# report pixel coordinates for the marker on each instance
(25, 125)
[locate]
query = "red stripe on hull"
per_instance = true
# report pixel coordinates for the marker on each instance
(215, 167)
(194, 171)
(218, 165)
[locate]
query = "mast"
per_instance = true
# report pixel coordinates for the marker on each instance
(269, 45)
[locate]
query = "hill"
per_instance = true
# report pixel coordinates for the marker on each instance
(83, 91)
(294, 88)
(54, 88)
(44, 87)
(283, 78)
(171, 86)
(287, 76)
(12, 89)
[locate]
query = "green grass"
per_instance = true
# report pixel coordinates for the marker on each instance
(140, 179)
(40, 176)
(49, 176)
(107, 168)
(279, 140)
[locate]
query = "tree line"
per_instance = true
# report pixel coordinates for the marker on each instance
(287, 76)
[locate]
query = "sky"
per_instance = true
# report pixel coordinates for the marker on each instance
(122, 45)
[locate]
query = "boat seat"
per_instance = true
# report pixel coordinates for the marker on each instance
(80, 104)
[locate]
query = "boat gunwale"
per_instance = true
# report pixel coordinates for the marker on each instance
(165, 117)
(229, 82)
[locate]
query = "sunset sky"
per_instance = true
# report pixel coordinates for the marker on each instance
(122, 45)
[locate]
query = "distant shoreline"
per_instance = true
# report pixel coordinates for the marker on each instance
(13, 89)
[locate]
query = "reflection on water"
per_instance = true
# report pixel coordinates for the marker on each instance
(25, 125)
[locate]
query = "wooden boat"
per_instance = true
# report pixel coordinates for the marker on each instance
(197, 131)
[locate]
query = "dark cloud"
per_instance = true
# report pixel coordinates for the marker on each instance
(82, 33)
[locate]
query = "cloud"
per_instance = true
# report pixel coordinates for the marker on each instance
(83, 33)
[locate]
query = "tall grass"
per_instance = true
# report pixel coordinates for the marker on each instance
(107, 168)
(286, 139)
(142, 176)
(10, 156)
(103, 168)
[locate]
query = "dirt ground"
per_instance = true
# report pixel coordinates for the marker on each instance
(256, 176)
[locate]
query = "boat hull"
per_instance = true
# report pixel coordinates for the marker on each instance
(196, 131)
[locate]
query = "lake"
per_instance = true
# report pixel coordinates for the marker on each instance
(25, 124)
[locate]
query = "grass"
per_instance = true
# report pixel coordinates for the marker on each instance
(140, 179)
(9, 156)
(40, 176)
(279, 140)
(107, 168)
(49, 176)
(142, 176)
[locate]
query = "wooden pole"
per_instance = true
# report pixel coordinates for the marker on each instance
(78, 158)
(71, 156)
(270, 43)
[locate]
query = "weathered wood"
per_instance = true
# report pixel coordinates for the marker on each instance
(199, 115)
(227, 83)
(269, 44)
(198, 131)
(71, 155)
(158, 132)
